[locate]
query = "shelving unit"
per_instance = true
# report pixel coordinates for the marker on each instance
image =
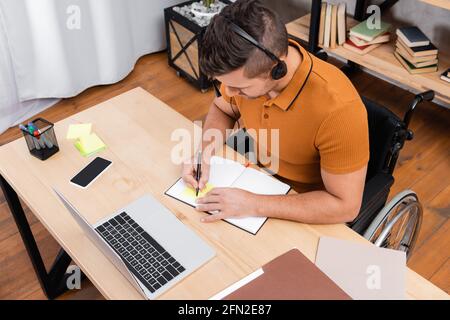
(380, 60)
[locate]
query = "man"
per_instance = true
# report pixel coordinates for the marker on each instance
(322, 122)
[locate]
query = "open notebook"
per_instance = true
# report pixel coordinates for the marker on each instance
(226, 173)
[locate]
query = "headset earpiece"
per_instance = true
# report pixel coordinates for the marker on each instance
(279, 71)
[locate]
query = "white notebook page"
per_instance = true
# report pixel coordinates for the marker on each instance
(223, 173)
(228, 173)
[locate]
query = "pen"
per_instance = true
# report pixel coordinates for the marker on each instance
(31, 127)
(36, 133)
(47, 141)
(39, 135)
(23, 128)
(198, 172)
(36, 144)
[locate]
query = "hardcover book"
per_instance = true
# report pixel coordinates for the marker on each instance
(413, 37)
(364, 32)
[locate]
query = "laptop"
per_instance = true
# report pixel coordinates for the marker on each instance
(147, 244)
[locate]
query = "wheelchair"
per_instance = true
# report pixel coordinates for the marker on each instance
(394, 225)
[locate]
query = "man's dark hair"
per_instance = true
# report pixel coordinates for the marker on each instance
(224, 51)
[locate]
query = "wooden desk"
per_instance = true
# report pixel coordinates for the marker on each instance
(382, 61)
(137, 129)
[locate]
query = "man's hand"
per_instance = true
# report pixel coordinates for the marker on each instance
(229, 203)
(189, 170)
(221, 117)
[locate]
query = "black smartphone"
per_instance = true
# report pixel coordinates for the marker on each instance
(91, 172)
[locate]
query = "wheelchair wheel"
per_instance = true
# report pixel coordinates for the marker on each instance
(398, 223)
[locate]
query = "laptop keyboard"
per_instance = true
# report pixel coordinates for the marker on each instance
(144, 257)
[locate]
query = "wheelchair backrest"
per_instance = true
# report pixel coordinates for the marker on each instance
(383, 125)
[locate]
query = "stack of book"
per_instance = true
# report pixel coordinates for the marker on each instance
(446, 75)
(365, 38)
(333, 25)
(415, 51)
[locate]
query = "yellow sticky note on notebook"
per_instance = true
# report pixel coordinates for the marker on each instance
(77, 131)
(90, 144)
(190, 192)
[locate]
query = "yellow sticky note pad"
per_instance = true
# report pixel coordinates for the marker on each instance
(90, 144)
(77, 131)
(190, 192)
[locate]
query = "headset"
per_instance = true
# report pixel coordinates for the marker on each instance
(280, 69)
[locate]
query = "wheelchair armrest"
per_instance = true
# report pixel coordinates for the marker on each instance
(376, 192)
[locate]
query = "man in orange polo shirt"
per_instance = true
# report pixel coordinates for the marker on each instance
(270, 82)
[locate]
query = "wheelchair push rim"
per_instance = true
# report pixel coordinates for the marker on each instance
(398, 224)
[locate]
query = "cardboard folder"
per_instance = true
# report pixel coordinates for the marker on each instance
(291, 276)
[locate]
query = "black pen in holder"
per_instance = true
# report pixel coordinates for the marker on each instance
(41, 139)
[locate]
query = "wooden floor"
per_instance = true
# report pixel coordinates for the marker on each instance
(424, 166)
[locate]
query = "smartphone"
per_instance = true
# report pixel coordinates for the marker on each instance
(91, 172)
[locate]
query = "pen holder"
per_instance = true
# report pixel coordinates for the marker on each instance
(42, 142)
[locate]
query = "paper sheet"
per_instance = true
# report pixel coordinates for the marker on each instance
(191, 192)
(237, 285)
(260, 183)
(77, 131)
(362, 270)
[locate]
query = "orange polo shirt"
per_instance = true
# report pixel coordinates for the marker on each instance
(321, 119)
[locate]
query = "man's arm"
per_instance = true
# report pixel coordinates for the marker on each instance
(339, 203)
(221, 116)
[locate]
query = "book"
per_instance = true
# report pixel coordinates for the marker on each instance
(342, 23)
(226, 173)
(364, 32)
(400, 49)
(327, 31)
(323, 12)
(362, 270)
(333, 35)
(413, 37)
(413, 70)
(385, 37)
(291, 276)
(419, 64)
(428, 50)
(359, 49)
(446, 75)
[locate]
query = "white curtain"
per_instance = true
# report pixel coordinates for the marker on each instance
(13, 111)
(58, 48)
